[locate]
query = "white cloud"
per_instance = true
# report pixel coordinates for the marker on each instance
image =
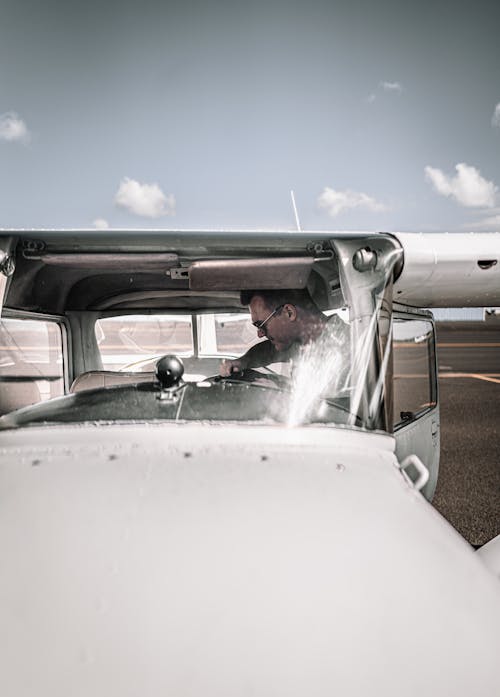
(391, 87)
(147, 200)
(100, 224)
(495, 119)
(467, 187)
(395, 87)
(12, 128)
(335, 202)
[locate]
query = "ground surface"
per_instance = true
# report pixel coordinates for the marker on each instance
(468, 490)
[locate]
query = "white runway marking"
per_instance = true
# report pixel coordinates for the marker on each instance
(489, 377)
(452, 344)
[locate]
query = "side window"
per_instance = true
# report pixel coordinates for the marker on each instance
(415, 390)
(31, 362)
(234, 334)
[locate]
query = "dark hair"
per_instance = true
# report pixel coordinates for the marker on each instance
(281, 296)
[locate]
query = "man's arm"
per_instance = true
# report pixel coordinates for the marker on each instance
(257, 356)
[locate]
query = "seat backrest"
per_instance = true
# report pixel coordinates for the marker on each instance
(93, 379)
(17, 393)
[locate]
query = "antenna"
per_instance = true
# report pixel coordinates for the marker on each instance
(297, 221)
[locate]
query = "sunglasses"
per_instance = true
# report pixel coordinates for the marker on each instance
(260, 324)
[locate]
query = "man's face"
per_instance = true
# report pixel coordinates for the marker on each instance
(278, 329)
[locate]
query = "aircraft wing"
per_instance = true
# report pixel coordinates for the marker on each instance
(449, 269)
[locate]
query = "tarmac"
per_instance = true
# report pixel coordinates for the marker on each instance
(468, 488)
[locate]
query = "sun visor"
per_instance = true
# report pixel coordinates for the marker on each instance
(246, 274)
(121, 261)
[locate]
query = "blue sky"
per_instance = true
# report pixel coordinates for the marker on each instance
(379, 115)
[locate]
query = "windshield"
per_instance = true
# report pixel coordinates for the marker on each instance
(312, 383)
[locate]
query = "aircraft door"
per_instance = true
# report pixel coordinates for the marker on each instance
(416, 407)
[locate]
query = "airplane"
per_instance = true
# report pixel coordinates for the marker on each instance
(255, 535)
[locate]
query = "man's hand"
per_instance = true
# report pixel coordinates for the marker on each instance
(230, 367)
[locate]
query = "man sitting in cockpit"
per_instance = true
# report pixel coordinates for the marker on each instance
(293, 326)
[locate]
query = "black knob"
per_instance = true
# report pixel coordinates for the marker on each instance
(169, 371)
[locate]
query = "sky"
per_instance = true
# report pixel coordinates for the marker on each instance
(379, 115)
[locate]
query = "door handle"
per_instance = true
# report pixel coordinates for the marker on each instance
(423, 472)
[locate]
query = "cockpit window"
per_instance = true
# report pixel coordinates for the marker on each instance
(414, 369)
(135, 342)
(31, 362)
(126, 342)
(233, 333)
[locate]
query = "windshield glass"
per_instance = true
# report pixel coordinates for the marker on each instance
(309, 383)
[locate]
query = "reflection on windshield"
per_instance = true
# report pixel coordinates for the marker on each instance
(320, 371)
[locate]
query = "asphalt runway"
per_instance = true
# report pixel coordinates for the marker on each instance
(468, 489)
